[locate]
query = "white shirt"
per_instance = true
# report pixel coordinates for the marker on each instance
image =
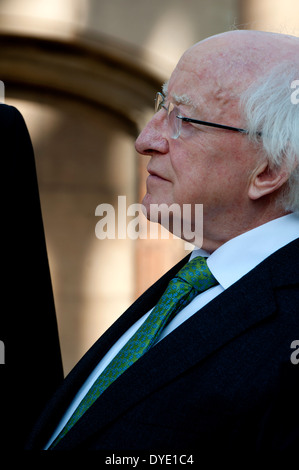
(228, 264)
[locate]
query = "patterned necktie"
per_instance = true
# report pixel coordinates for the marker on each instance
(193, 278)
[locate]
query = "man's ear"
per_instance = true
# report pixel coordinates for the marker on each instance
(265, 180)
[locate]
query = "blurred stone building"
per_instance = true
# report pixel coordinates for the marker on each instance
(84, 74)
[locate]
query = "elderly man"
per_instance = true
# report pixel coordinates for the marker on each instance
(202, 360)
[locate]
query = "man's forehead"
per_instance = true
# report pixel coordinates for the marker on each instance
(210, 69)
(212, 96)
(193, 87)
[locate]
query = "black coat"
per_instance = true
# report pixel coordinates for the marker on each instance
(28, 329)
(221, 381)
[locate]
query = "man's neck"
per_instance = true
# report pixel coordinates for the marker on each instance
(213, 240)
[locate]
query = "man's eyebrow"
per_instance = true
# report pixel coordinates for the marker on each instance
(179, 99)
(165, 88)
(182, 99)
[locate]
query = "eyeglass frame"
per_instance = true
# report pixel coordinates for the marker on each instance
(160, 104)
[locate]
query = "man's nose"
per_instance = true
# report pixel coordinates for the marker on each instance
(153, 138)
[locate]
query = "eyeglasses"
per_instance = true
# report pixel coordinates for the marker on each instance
(175, 119)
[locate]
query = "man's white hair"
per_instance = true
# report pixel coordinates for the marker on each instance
(269, 108)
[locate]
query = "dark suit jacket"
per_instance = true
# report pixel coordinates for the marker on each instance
(213, 384)
(28, 329)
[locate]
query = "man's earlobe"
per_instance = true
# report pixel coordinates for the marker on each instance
(266, 180)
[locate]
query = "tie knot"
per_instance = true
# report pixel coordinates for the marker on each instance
(197, 273)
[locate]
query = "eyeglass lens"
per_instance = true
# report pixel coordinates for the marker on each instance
(174, 124)
(159, 100)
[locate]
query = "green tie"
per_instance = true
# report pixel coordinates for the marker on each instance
(193, 278)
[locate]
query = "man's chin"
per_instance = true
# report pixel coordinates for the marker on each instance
(148, 211)
(149, 208)
(161, 212)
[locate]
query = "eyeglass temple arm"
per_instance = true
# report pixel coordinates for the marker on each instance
(212, 124)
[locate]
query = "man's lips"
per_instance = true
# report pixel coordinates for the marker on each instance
(156, 174)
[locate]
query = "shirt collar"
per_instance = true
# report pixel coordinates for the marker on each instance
(241, 254)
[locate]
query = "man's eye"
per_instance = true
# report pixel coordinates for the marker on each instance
(190, 127)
